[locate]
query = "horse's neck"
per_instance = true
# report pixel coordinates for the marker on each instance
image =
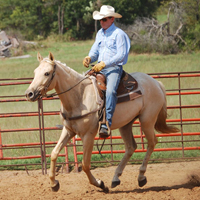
(67, 78)
(68, 70)
(81, 99)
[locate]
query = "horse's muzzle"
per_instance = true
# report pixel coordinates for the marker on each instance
(32, 95)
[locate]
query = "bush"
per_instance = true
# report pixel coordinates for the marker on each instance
(192, 36)
(148, 36)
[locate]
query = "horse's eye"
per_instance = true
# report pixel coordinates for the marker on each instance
(47, 74)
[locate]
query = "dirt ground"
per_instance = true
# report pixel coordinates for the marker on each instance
(166, 181)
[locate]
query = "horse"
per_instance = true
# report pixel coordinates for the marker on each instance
(79, 115)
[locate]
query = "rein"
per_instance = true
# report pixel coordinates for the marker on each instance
(55, 94)
(49, 83)
(99, 150)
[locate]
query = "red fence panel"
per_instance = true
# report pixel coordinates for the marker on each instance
(186, 140)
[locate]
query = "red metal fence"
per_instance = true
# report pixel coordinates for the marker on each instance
(185, 111)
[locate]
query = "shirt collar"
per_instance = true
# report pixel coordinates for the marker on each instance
(108, 30)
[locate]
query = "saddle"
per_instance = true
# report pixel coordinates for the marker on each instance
(127, 89)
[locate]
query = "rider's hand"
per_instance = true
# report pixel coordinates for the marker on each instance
(86, 61)
(99, 66)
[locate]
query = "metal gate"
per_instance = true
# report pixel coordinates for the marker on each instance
(183, 93)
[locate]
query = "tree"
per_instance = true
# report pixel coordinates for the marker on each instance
(60, 5)
(89, 10)
(76, 20)
(133, 8)
(27, 16)
(190, 19)
(71, 17)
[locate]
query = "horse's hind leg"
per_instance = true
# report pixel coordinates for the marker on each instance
(64, 138)
(130, 147)
(152, 141)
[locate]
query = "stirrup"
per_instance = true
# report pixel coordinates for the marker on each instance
(103, 133)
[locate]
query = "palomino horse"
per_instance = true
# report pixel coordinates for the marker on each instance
(80, 117)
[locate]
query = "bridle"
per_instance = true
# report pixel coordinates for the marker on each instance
(51, 79)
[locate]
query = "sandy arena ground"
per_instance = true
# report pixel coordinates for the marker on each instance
(166, 181)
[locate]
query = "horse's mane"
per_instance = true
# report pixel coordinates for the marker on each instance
(67, 68)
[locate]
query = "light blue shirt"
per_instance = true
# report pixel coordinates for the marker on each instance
(111, 46)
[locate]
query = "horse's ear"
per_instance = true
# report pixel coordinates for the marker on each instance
(51, 57)
(39, 57)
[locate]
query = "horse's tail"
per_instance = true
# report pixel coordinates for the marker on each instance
(161, 125)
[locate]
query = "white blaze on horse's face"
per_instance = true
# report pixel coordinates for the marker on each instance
(43, 79)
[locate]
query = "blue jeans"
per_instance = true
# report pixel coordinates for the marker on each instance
(113, 76)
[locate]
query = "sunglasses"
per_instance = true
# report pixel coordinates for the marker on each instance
(105, 19)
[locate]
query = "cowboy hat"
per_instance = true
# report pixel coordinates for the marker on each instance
(105, 11)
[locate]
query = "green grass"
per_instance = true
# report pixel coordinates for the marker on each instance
(162, 18)
(72, 53)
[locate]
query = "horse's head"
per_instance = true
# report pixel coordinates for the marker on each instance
(43, 79)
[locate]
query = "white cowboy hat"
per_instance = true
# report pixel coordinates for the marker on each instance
(105, 11)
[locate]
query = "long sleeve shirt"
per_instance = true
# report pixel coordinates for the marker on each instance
(111, 46)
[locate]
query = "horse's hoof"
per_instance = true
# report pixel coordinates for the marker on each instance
(142, 183)
(56, 187)
(115, 184)
(102, 186)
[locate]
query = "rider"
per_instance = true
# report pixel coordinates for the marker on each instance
(111, 48)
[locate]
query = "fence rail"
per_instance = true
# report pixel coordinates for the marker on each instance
(192, 136)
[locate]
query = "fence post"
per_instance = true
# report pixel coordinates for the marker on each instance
(43, 136)
(1, 150)
(181, 117)
(66, 159)
(111, 148)
(75, 154)
(42, 139)
(141, 136)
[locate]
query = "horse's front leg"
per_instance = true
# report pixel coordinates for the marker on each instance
(88, 142)
(64, 138)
